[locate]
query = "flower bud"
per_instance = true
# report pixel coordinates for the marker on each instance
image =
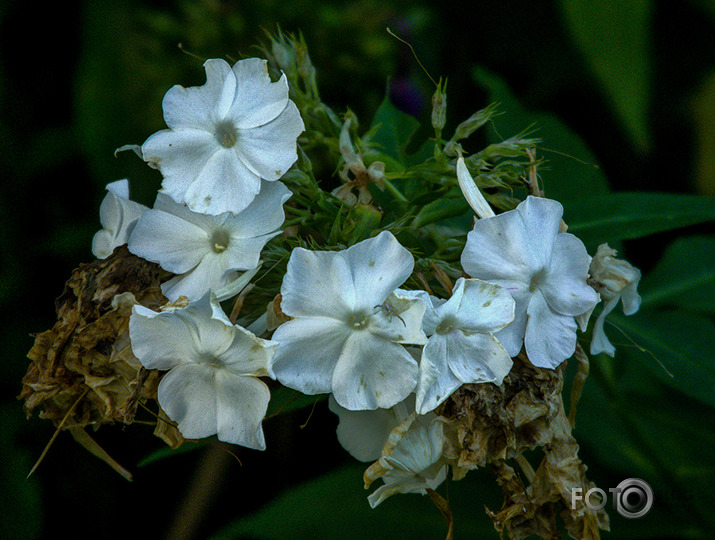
(439, 108)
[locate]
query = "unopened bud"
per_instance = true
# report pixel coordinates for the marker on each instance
(439, 107)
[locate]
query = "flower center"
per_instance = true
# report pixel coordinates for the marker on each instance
(209, 359)
(358, 320)
(446, 326)
(219, 241)
(226, 134)
(536, 279)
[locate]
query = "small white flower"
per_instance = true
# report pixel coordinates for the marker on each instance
(412, 460)
(462, 348)
(206, 251)
(545, 271)
(347, 324)
(212, 385)
(615, 280)
(225, 136)
(118, 215)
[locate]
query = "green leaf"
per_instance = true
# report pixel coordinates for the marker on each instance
(615, 39)
(335, 506)
(439, 210)
(684, 277)
(621, 216)
(682, 343)
(394, 131)
(570, 170)
(634, 428)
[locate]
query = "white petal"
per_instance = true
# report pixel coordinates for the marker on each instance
(565, 287)
(258, 100)
(248, 354)
(430, 319)
(512, 336)
(308, 350)
(206, 222)
(318, 283)
(630, 297)
(187, 394)
(437, 382)
(118, 215)
(513, 245)
(223, 184)
(363, 433)
(120, 188)
(102, 244)
(180, 155)
(265, 213)
(550, 337)
(162, 340)
(373, 372)
(471, 192)
(245, 253)
(269, 150)
(242, 403)
(199, 107)
(175, 244)
(378, 265)
(599, 341)
(477, 358)
(420, 448)
(399, 319)
(214, 333)
(481, 306)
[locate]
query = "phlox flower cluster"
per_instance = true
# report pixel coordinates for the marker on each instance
(357, 325)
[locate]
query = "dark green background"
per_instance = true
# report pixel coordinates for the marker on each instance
(634, 79)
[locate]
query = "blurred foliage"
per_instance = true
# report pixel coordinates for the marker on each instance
(621, 98)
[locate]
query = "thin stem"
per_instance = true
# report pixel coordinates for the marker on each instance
(394, 191)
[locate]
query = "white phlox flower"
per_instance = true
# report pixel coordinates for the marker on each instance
(615, 280)
(212, 385)
(118, 215)
(206, 251)
(225, 136)
(544, 270)
(348, 324)
(412, 460)
(462, 348)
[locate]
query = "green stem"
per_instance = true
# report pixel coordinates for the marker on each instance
(395, 192)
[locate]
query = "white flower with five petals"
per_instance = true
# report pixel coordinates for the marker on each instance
(462, 348)
(225, 136)
(118, 215)
(348, 324)
(545, 271)
(205, 251)
(212, 385)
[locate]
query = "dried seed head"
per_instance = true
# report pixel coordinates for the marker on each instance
(87, 352)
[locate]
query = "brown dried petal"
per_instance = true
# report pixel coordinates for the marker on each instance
(493, 424)
(88, 347)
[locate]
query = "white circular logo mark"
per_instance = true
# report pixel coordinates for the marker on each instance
(633, 498)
